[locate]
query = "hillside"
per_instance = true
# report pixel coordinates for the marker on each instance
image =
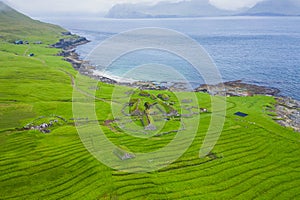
(275, 7)
(43, 157)
(15, 26)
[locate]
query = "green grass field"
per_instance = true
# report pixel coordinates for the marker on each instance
(254, 158)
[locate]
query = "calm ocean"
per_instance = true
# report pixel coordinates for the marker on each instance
(258, 50)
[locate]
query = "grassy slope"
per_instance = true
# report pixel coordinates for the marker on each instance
(259, 160)
(16, 26)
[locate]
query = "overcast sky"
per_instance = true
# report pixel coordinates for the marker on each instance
(38, 7)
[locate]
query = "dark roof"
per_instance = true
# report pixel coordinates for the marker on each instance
(240, 114)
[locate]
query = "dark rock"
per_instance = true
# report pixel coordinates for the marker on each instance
(237, 88)
(70, 43)
(66, 33)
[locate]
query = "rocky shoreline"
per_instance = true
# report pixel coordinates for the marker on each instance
(288, 112)
(68, 46)
(71, 42)
(287, 109)
(237, 88)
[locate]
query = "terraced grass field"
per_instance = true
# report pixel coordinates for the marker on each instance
(254, 158)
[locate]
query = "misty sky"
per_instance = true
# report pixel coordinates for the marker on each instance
(40, 7)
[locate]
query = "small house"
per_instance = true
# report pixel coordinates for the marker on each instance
(148, 122)
(38, 42)
(203, 110)
(19, 42)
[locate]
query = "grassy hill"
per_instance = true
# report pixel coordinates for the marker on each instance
(255, 158)
(17, 26)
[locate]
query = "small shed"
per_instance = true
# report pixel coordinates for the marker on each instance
(19, 42)
(123, 155)
(241, 114)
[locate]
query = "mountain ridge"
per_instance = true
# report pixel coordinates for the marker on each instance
(202, 8)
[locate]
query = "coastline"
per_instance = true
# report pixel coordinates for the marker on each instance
(286, 110)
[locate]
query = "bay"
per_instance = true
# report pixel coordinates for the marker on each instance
(258, 50)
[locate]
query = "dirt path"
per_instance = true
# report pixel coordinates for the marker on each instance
(84, 92)
(26, 51)
(41, 60)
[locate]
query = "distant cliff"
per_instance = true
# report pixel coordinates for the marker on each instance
(194, 8)
(275, 8)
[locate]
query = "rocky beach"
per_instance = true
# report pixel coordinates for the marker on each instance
(288, 112)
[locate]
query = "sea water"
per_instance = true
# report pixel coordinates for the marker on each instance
(258, 50)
